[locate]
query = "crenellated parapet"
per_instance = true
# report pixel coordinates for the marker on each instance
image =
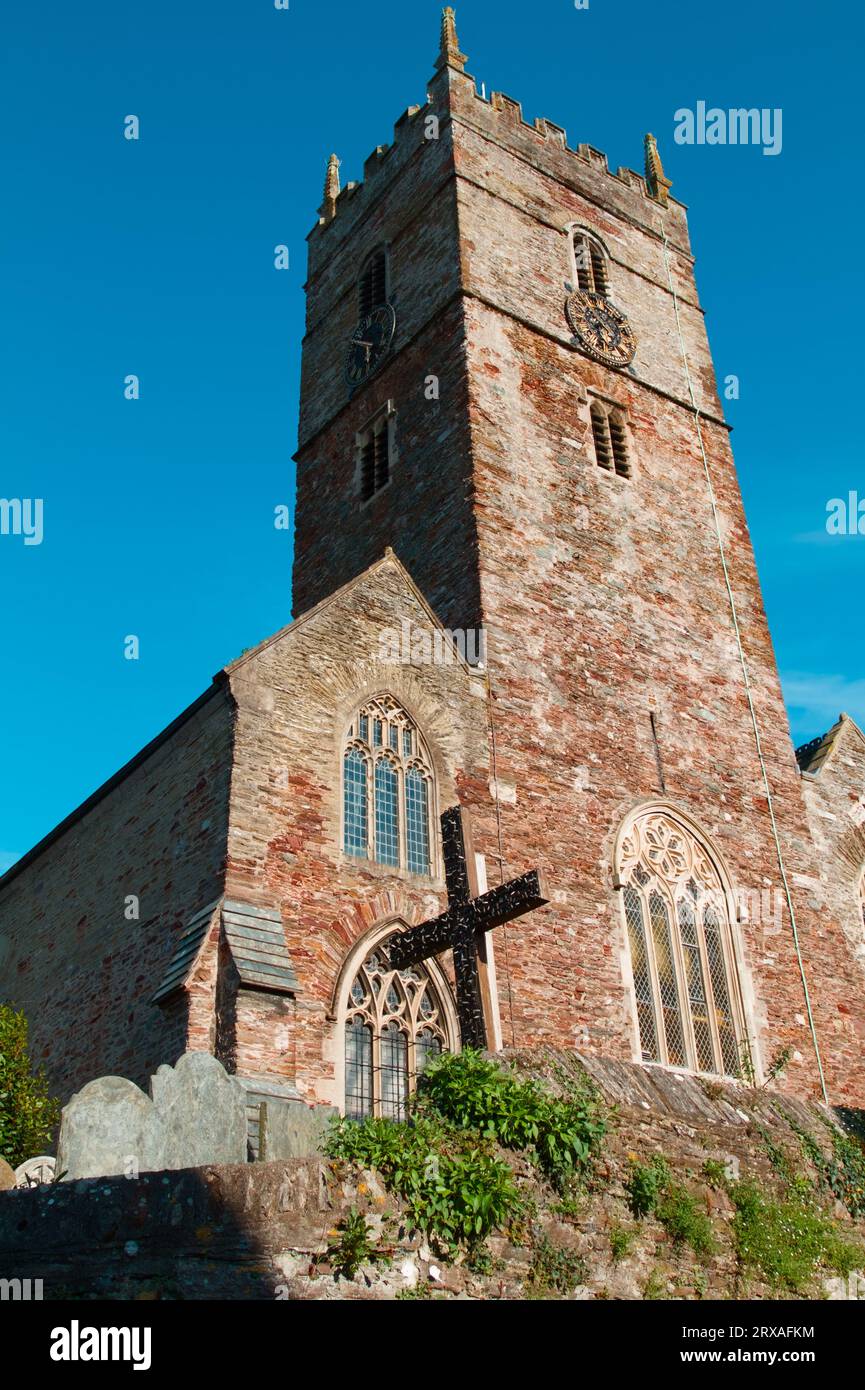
(453, 96)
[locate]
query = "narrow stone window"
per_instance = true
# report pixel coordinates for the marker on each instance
(619, 443)
(590, 263)
(610, 438)
(680, 939)
(388, 790)
(372, 283)
(374, 447)
(601, 436)
(395, 1023)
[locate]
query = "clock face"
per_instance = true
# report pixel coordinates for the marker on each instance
(603, 330)
(370, 344)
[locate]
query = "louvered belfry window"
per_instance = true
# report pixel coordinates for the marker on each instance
(395, 1024)
(374, 446)
(388, 792)
(591, 264)
(679, 934)
(372, 284)
(610, 439)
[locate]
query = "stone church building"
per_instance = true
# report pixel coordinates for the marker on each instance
(523, 585)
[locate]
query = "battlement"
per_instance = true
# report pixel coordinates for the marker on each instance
(451, 97)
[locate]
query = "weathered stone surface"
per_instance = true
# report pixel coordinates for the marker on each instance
(197, 1114)
(35, 1171)
(109, 1127)
(262, 1230)
(202, 1111)
(291, 1129)
(7, 1176)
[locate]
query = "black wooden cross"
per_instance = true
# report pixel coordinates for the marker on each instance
(461, 926)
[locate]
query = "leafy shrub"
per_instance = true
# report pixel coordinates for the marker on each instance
(352, 1247)
(845, 1173)
(645, 1185)
(684, 1221)
(475, 1093)
(28, 1113)
(652, 1191)
(621, 1240)
(790, 1241)
(715, 1172)
(554, 1268)
(453, 1185)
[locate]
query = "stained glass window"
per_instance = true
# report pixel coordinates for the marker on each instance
(679, 934)
(388, 790)
(394, 1024)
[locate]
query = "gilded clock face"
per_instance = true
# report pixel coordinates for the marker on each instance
(370, 344)
(602, 329)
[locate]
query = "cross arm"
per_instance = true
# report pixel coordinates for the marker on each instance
(507, 901)
(419, 943)
(502, 904)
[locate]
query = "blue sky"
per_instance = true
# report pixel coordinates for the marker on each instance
(155, 257)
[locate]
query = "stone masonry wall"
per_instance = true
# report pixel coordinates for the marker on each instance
(835, 797)
(296, 697)
(83, 972)
(604, 598)
(262, 1230)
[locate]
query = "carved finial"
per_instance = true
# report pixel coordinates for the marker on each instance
(656, 180)
(331, 187)
(449, 52)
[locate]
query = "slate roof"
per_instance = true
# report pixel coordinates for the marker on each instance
(255, 938)
(186, 951)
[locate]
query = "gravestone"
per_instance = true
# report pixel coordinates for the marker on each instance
(291, 1129)
(108, 1127)
(203, 1111)
(35, 1171)
(196, 1114)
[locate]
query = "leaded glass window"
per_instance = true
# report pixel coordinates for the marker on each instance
(355, 802)
(395, 1023)
(388, 790)
(676, 915)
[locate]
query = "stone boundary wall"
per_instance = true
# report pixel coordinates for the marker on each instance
(253, 1231)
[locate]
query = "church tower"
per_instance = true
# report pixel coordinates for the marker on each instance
(507, 380)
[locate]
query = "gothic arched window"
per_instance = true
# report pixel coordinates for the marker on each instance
(372, 283)
(590, 262)
(687, 996)
(395, 1022)
(388, 790)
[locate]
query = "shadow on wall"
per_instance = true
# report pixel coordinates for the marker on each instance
(222, 1232)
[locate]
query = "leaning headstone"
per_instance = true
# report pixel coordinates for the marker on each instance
(35, 1171)
(290, 1129)
(109, 1127)
(203, 1112)
(7, 1176)
(196, 1114)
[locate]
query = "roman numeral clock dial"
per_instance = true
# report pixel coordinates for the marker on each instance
(601, 329)
(370, 343)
